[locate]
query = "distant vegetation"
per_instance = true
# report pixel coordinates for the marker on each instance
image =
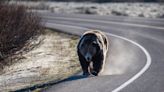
(99, 1)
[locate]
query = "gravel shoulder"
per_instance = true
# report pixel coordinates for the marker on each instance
(52, 60)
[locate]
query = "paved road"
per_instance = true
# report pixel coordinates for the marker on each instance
(136, 58)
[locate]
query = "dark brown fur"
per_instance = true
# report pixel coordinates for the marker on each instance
(96, 44)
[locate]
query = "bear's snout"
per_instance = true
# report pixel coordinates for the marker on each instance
(88, 57)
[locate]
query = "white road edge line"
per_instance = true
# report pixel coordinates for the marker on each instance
(148, 63)
(148, 57)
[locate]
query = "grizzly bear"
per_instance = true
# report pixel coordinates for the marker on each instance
(92, 49)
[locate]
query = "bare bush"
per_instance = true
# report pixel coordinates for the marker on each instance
(17, 26)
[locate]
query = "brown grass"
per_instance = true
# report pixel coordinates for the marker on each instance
(54, 59)
(17, 26)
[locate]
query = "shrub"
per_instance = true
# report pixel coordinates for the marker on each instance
(17, 26)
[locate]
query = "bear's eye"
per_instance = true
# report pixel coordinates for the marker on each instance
(82, 45)
(94, 43)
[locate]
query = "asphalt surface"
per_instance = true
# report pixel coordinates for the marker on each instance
(135, 61)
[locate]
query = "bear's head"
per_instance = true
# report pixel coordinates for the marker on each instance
(89, 46)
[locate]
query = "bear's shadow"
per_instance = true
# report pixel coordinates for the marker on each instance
(75, 77)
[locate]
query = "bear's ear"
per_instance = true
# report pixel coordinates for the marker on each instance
(99, 44)
(105, 41)
(80, 41)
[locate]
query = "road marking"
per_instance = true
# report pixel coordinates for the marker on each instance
(108, 22)
(148, 57)
(147, 65)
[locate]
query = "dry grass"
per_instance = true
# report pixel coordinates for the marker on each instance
(17, 26)
(29, 56)
(54, 59)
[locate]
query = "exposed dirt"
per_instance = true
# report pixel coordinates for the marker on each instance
(53, 59)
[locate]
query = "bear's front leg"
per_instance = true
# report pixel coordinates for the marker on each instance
(84, 66)
(97, 67)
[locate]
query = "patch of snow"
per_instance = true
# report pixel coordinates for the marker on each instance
(151, 10)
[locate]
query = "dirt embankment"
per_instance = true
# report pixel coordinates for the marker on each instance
(53, 59)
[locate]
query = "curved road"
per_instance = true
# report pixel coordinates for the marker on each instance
(136, 58)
